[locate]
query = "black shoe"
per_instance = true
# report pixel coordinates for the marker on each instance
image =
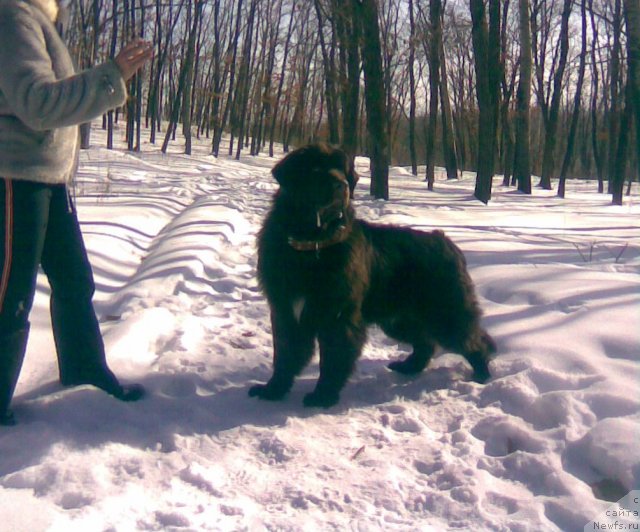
(7, 419)
(129, 392)
(12, 348)
(107, 381)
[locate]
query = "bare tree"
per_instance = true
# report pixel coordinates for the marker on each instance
(349, 37)
(435, 19)
(231, 54)
(632, 19)
(506, 145)
(271, 32)
(112, 54)
(289, 71)
(281, 78)
(367, 11)
(162, 53)
(188, 66)
(412, 91)
(448, 136)
(551, 111)
(614, 111)
(595, 85)
(330, 74)
(241, 100)
(522, 160)
(576, 104)
(181, 105)
(486, 46)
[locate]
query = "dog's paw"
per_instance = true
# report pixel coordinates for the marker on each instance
(481, 376)
(406, 367)
(264, 391)
(323, 400)
(480, 365)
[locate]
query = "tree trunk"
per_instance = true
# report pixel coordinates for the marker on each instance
(620, 166)
(632, 102)
(487, 90)
(435, 10)
(632, 19)
(348, 28)
(350, 132)
(267, 98)
(507, 140)
(85, 129)
(550, 138)
(412, 92)
(576, 105)
(222, 122)
(285, 56)
(595, 144)
(448, 137)
(374, 97)
(329, 78)
(138, 104)
(188, 76)
(112, 54)
(244, 82)
(183, 91)
(614, 111)
(162, 53)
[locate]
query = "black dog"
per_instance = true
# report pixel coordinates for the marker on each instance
(328, 275)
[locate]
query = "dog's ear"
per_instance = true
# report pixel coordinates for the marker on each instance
(290, 166)
(352, 175)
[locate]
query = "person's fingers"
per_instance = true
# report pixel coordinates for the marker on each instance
(135, 50)
(133, 56)
(137, 43)
(139, 58)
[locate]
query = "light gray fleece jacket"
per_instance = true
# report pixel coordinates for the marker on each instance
(42, 99)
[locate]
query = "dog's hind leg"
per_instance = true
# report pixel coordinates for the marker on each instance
(478, 353)
(416, 361)
(293, 346)
(410, 331)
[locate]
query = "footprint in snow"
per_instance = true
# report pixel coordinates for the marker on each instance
(276, 451)
(179, 387)
(500, 504)
(397, 418)
(548, 380)
(169, 520)
(505, 436)
(75, 501)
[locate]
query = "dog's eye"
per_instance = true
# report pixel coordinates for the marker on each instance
(339, 185)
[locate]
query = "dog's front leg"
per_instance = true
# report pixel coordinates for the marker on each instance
(293, 345)
(340, 346)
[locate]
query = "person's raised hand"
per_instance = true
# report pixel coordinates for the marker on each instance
(132, 57)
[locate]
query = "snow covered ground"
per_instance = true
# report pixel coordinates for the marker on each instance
(172, 242)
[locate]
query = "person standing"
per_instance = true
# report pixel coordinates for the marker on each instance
(42, 102)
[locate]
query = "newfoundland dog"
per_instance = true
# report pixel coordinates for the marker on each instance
(327, 275)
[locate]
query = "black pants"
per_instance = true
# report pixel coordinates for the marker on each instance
(39, 227)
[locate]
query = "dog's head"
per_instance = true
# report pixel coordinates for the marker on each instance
(316, 185)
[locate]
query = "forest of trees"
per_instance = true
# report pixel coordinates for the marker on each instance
(549, 88)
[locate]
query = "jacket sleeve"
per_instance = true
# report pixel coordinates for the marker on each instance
(29, 84)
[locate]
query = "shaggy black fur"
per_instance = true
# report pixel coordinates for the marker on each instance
(328, 275)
